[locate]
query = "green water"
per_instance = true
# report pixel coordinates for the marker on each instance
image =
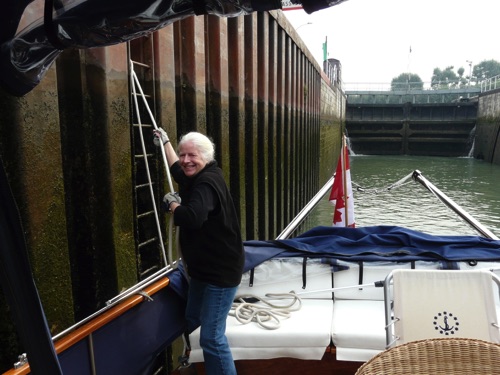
(472, 184)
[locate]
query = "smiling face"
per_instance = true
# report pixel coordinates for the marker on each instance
(190, 159)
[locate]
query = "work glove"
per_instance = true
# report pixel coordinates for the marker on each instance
(170, 198)
(160, 137)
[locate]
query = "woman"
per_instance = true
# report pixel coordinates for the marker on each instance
(210, 239)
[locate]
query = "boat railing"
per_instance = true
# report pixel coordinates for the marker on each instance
(85, 329)
(304, 213)
(417, 176)
(138, 289)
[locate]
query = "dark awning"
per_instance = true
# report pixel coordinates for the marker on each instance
(26, 56)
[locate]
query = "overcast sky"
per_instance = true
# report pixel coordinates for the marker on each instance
(372, 38)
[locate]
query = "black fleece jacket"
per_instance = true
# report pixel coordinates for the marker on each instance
(210, 235)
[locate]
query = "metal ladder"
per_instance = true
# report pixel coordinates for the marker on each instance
(148, 242)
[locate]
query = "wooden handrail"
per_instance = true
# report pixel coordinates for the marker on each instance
(100, 321)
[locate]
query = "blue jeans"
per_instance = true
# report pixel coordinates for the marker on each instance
(208, 306)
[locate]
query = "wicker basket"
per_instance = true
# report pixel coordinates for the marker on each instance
(443, 356)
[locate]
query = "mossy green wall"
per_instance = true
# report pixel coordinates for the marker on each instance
(30, 147)
(487, 142)
(66, 150)
(333, 104)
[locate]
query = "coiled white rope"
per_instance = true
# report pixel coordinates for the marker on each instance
(264, 312)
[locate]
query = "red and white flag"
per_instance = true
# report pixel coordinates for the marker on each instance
(341, 194)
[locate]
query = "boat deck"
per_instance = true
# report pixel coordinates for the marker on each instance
(288, 366)
(341, 322)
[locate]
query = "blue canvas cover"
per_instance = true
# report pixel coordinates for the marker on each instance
(374, 243)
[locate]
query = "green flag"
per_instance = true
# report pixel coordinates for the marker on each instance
(325, 49)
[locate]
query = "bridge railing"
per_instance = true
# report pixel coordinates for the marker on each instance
(415, 86)
(489, 84)
(416, 97)
(413, 92)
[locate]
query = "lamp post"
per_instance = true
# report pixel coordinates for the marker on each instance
(470, 71)
(304, 24)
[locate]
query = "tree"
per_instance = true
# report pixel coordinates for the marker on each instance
(484, 70)
(447, 78)
(407, 81)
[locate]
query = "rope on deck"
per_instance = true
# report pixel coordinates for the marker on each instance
(251, 308)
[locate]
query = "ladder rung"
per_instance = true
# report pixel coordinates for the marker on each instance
(150, 241)
(145, 95)
(150, 270)
(141, 64)
(140, 156)
(142, 186)
(144, 214)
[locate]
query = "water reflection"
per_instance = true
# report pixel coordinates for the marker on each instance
(471, 183)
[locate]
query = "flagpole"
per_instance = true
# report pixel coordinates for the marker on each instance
(344, 175)
(343, 214)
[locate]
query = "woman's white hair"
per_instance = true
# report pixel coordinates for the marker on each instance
(202, 143)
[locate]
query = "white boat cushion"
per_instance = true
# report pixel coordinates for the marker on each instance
(377, 271)
(371, 272)
(355, 354)
(283, 275)
(358, 329)
(305, 335)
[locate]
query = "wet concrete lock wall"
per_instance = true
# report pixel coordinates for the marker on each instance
(70, 148)
(487, 145)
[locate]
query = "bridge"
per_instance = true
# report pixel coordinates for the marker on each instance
(412, 122)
